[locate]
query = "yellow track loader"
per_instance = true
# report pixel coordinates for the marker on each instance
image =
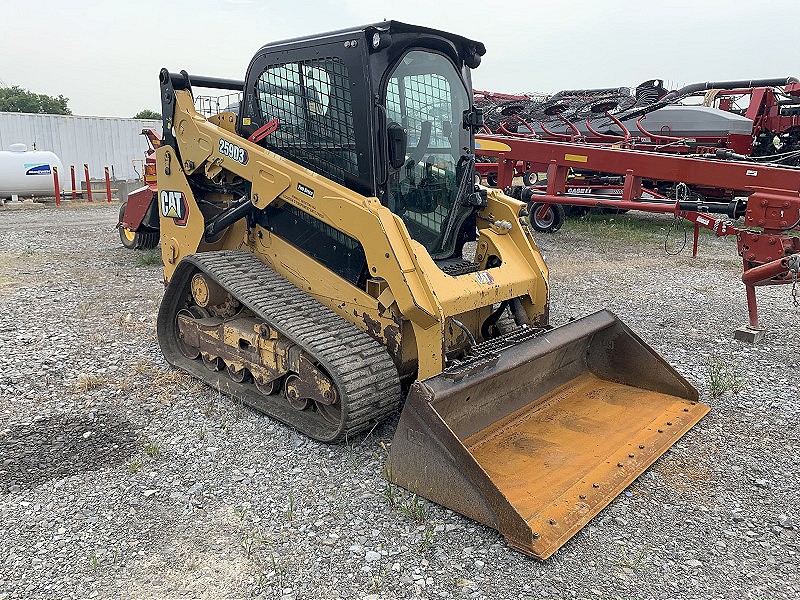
(329, 257)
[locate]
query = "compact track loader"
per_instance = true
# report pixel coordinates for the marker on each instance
(329, 258)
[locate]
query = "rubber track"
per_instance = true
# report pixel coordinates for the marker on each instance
(365, 375)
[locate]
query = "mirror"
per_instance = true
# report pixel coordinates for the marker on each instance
(398, 143)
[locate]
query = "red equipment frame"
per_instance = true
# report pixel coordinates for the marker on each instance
(773, 197)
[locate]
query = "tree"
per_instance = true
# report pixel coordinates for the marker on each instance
(17, 99)
(147, 114)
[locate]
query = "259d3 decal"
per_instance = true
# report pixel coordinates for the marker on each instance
(233, 151)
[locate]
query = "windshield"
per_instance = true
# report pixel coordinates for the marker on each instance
(426, 96)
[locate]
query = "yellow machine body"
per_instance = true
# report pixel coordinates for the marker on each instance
(531, 432)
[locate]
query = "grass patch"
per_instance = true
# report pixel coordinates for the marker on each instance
(85, 309)
(633, 560)
(151, 449)
(622, 227)
(290, 509)
(86, 382)
(723, 376)
(408, 504)
(148, 258)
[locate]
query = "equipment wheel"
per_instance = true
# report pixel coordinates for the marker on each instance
(239, 376)
(547, 218)
(126, 236)
(293, 395)
(213, 363)
(268, 388)
(135, 240)
(491, 179)
(529, 178)
(194, 312)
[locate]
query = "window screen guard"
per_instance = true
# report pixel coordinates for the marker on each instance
(311, 100)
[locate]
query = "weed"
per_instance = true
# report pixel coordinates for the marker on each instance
(28, 251)
(409, 504)
(251, 539)
(290, 509)
(142, 366)
(378, 580)
(722, 377)
(279, 569)
(634, 561)
(237, 408)
(391, 493)
(135, 466)
(426, 543)
(208, 409)
(262, 579)
(151, 449)
(86, 382)
(148, 258)
(94, 561)
(414, 508)
(84, 309)
(202, 433)
(352, 456)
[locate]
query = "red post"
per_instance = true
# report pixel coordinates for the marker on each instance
(752, 307)
(108, 186)
(88, 183)
(72, 174)
(56, 186)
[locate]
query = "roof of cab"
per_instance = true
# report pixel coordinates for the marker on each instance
(391, 27)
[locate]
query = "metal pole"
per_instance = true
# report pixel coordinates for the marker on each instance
(57, 187)
(108, 186)
(72, 174)
(752, 307)
(88, 183)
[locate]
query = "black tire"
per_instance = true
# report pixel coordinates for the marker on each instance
(491, 179)
(551, 221)
(136, 240)
(529, 178)
(147, 240)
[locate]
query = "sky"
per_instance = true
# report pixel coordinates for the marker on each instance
(105, 56)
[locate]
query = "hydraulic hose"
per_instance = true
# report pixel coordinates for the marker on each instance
(228, 217)
(491, 320)
(700, 87)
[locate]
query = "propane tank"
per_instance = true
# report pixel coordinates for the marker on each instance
(28, 172)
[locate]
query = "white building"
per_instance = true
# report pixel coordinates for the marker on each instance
(97, 141)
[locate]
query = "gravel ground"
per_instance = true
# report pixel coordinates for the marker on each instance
(122, 478)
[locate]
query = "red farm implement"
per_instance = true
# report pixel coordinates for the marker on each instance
(735, 119)
(138, 215)
(768, 198)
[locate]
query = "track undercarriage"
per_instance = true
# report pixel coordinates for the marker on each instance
(234, 323)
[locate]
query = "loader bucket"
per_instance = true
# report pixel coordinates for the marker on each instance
(537, 434)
